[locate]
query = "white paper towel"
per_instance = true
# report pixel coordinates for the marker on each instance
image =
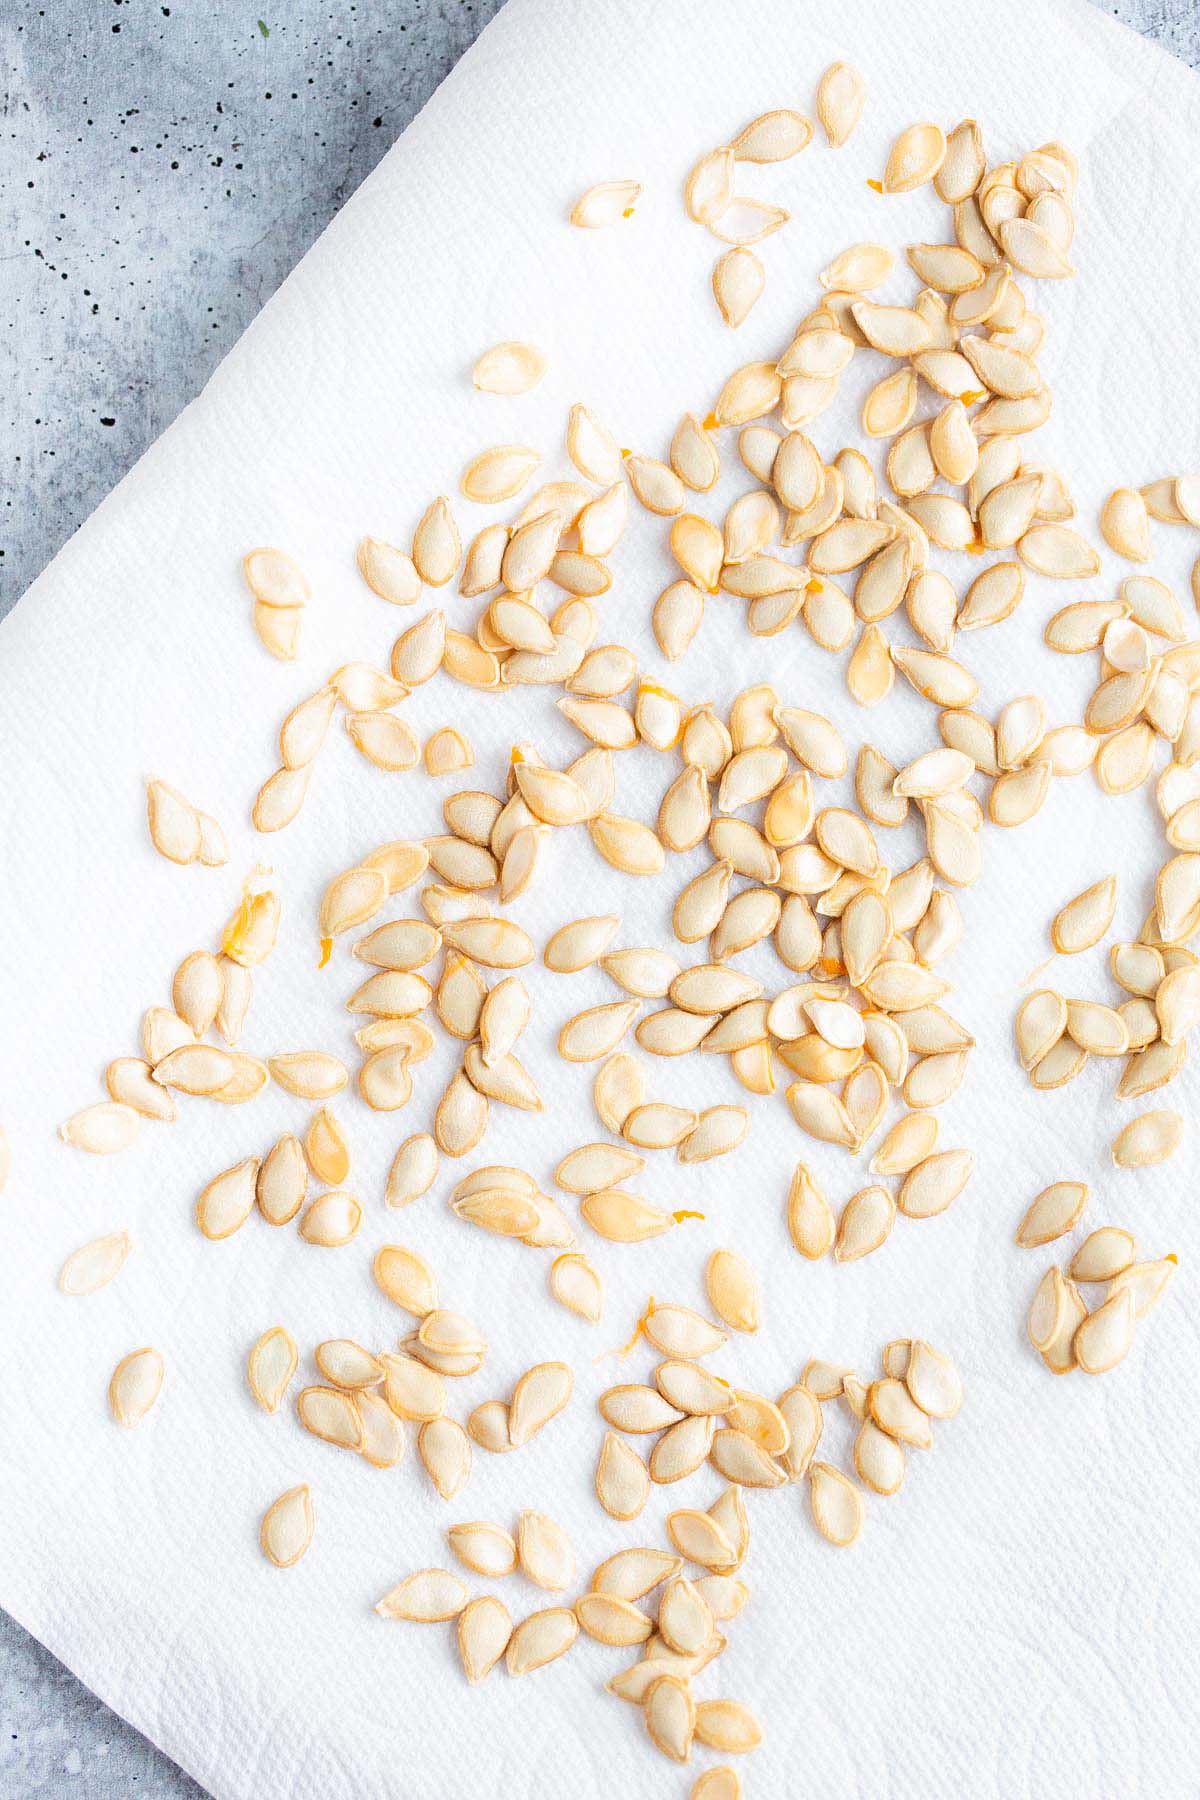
(1020, 1620)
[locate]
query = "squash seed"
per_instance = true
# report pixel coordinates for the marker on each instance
(1054, 1212)
(670, 1716)
(287, 1527)
(809, 1216)
(866, 1222)
(135, 1386)
(624, 1218)
(894, 1410)
(1040, 1022)
(1084, 920)
(935, 1183)
(539, 1395)
(1103, 1255)
(619, 1088)
(837, 1506)
(332, 1219)
(483, 1629)
(733, 1292)
(94, 1265)
(544, 1551)
(1105, 1336)
(717, 1131)
(576, 1284)
(595, 1167)
(426, 1597)
(1154, 1137)
(603, 205)
(228, 1200)
(612, 1621)
(933, 1381)
(509, 368)
(130, 1082)
(622, 1482)
(841, 96)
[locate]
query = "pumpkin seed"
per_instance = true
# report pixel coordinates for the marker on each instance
(94, 1265)
(135, 1386)
(841, 96)
(836, 1503)
(1105, 1336)
(174, 823)
(605, 204)
(287, 1527)
(1054, 1212)
(426, 1597)
(1154, 1137)
(622, 1482)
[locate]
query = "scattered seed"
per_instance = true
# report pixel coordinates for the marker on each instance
(94, 1265)
(102, 1129)
(1104, 1337)
(1055, 1211)
(135, 1386)
(837, 1506)
(426, 1597)
(1152, 1138)
(287, 1527)
(841, 96)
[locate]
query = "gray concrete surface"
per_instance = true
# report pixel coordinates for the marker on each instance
(161, 170)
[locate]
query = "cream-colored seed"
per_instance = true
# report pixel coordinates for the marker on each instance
(1103, 1255)
(605, 204)
(135, 1386)
(287, 1527)
(1154, 1137)
(174, 823)
(622, 1481)
(837, 1505)
(282, 1183)
(1105, 1336)
(94, 1265)
(544, 1551)
(619, 1088)
(738, 279)
(445, 1451)
(101, 1129)
(733, 1291)
(130, 1082)
(483, 1629)
(611, 1620)
(270, 1367)
(576, 1284)
(670, 1716)
(426, 1597)
(1054, 1212)
(332, 1219)
(509, 368)
(841, 96)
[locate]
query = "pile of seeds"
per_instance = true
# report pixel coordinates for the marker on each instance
(856, 1020)
(1062, 1329)
(209, 991)
(760, 1444)
(1055, 1035)
(695, 1415)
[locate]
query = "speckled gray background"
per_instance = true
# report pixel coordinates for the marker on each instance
(161, 170)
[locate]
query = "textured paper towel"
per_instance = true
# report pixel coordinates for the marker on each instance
(1021, 1619)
